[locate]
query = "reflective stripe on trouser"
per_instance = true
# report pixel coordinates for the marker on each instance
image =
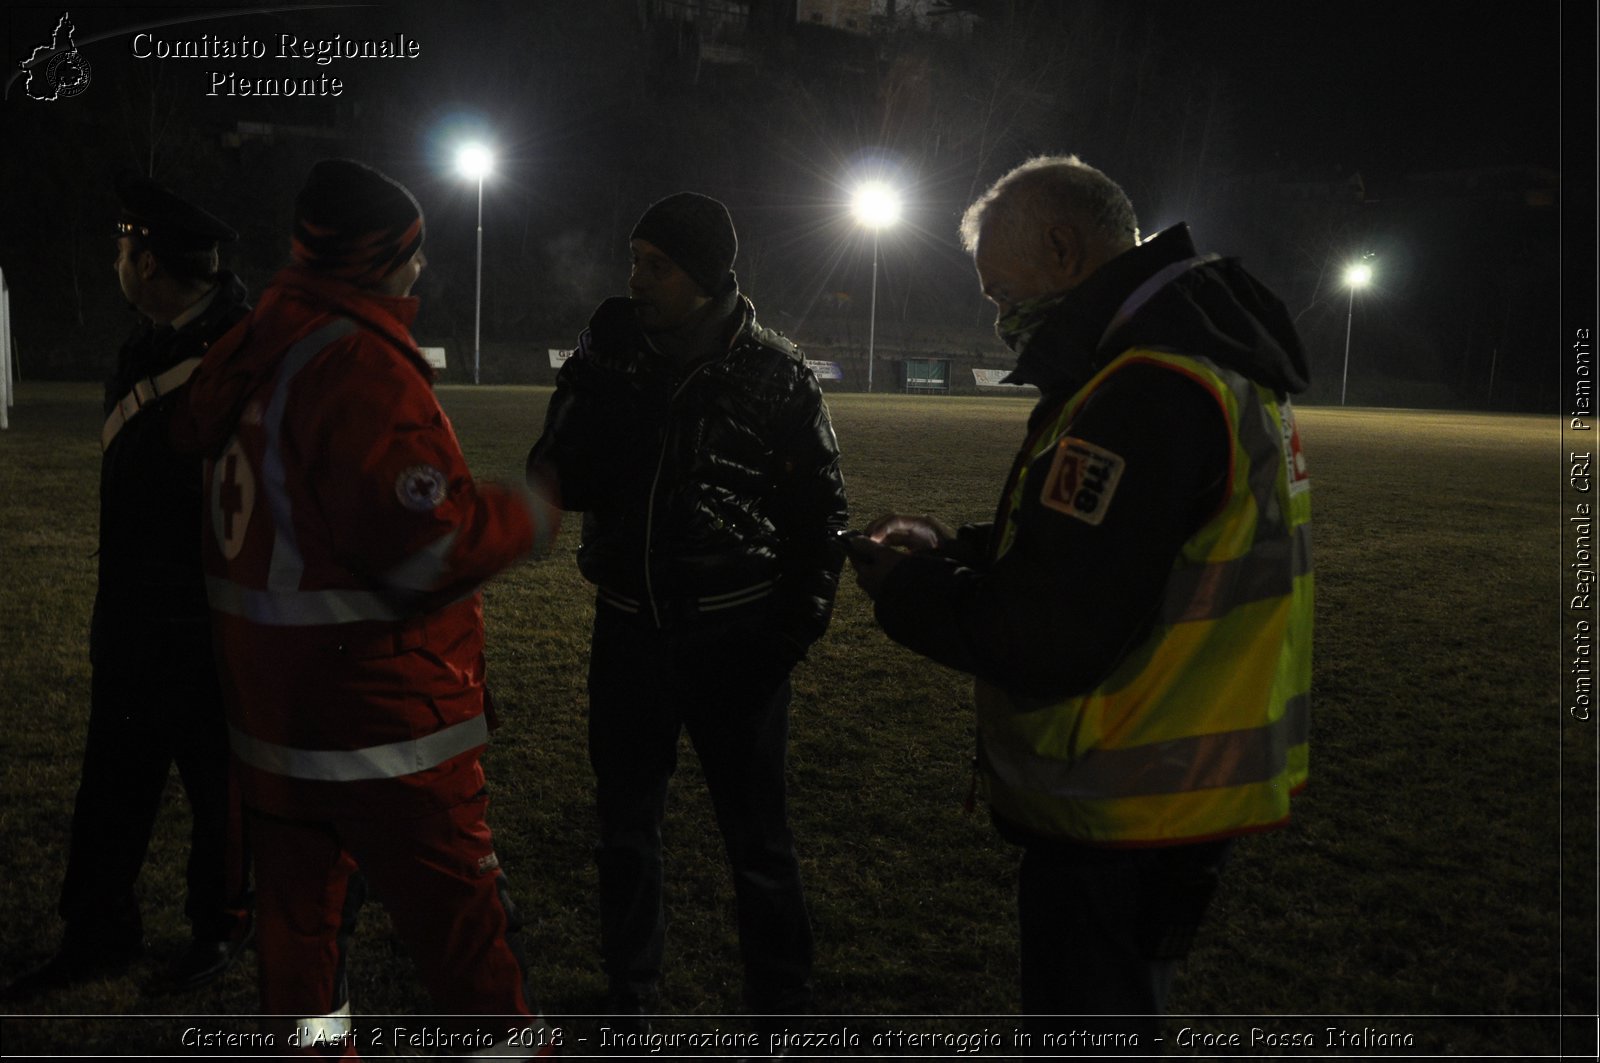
(440, 883)
(389, 761)
(329, 1034)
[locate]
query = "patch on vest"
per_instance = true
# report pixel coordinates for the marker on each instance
(420, 488)
(1082, 479)
(1293, 456)
(233, 498)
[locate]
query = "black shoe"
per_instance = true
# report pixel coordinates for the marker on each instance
(205, 961)
(75, 963)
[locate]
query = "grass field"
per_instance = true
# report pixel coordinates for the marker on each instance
(1440, 865)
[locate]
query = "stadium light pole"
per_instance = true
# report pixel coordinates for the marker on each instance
(474, 162)
(876, 206)
(1358, 275)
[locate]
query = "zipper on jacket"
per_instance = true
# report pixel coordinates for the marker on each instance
(655, 484)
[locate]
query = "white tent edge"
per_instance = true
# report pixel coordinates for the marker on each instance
(8, 396)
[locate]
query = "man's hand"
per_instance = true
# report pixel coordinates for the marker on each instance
(873, 561)
(874, 554)
(916, 534)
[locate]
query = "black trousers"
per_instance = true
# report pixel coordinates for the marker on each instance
(716, 681)
(139, 725)
(1101, 933)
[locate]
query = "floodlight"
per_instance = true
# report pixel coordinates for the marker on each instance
(876, 205)
(1356, 275)
(474, 162)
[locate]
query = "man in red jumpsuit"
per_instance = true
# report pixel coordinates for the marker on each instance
(345, 543)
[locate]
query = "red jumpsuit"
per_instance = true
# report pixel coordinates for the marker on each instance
(344, 546)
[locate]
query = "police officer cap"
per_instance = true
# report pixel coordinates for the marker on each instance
(159, 216)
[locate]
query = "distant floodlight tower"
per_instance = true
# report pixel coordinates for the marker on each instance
(474, 162)
(876, 206)
(1358, 275)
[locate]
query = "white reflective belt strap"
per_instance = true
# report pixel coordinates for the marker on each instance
(390, 761)
(143, 394)
(299, 608)
(333, 1028)
(1148, 289)
(287, 565)
(1183, 765)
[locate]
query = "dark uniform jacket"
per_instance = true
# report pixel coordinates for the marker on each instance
(150, 607)
(702, 480)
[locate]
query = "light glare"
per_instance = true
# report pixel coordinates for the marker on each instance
(474, 162)
(876, 205)
(1358, 275)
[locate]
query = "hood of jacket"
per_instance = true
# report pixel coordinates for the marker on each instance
(248, 354)
(1162, 294)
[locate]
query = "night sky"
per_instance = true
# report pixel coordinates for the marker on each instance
(1177, 99)
(1388, 88)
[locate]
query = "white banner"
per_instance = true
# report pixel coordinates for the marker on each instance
(825, 370)
(7, 398)
(994, 378)
(433, 355)
(558, 357)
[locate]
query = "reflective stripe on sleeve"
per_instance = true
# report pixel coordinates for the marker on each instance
(300, 608)
(389, 761)
(1183, 765)
(423, 570)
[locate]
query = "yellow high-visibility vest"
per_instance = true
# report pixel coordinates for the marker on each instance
(1201, 731)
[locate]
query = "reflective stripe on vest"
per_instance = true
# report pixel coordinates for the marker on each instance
(287, 565)
(390, 761)
(143, 394)
(283, 603)
(1201, 731)
(1210, 591)
(1207, 761)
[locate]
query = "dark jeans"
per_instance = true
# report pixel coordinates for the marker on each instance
(1102, 931)
(139, 725)
(719, 683)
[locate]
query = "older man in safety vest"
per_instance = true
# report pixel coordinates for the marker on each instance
(1138, 616)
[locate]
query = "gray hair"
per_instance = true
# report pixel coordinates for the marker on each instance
(1045, 191)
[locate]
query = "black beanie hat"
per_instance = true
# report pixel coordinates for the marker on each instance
(696, 232)
(354, 223)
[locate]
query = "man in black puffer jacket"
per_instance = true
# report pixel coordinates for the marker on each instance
(699, 448)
